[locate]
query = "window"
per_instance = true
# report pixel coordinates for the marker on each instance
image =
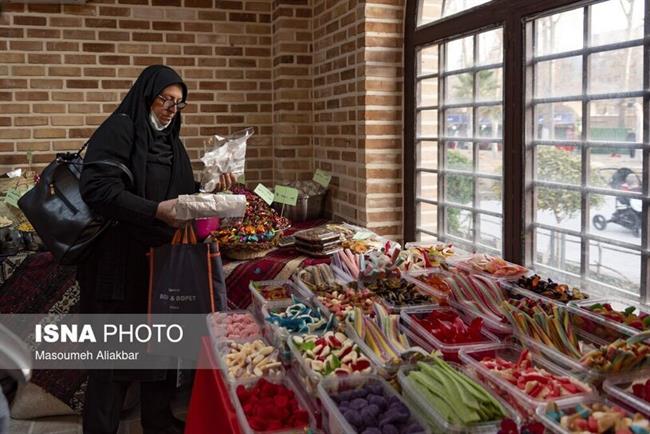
(557, 94)
(459, 141)
(585, 127)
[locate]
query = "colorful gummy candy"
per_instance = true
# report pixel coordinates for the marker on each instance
(598, 418)
(535, 382)
(371, 410)
(251, 359)
(619, 356)
(528, 305)
(422, 257)
(274, 292)
(381, 333)
(628, 316)
(332, 353)
(396, 291)
(479, 291)
(340, 303)
(271, 407)
(556, 291)
(494, 265)
(234, 325)
(641, 390)
(449, 328)
(458, 398)
(300, 318)
(509, 426)
(435, 281)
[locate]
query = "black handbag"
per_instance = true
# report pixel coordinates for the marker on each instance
(57, 212)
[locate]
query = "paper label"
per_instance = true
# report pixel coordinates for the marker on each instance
(241, 179)
(363, 235)
(264, 193)
(13, 194)
(323, 178)
(286, 195)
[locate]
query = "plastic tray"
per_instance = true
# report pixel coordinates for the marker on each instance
(464, 265)
(222, 352)
(278, 336)
(412, 276)
(243, 421)
(257, 301)
(434, 299)
(333, 420)
(306, 375)
(492, 322)
(554, 427)
(473, 356)
(422, 407)
(304, 289)
(618, 388)
(593, 319)
(217, 338)
(449, 351)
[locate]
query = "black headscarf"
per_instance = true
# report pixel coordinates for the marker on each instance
(137, 105)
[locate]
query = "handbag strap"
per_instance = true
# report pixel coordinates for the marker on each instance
(120, 166)
(184, 235)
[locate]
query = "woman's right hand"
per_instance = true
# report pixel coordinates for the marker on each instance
(167, 214)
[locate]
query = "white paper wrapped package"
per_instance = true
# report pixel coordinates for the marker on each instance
(228, 155)
(193, 206)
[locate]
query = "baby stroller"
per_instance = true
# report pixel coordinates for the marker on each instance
(628, 211)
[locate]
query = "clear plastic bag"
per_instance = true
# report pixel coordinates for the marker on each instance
(228, 155)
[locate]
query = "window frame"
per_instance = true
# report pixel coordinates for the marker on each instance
(518, 210)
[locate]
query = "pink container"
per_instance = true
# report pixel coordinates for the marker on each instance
(204, 226)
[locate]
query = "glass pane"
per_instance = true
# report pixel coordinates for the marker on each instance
(619, 120)
(616, 71)
(458, 122)
(559, 33)
(615, 266)
(427, 185)
(559, 164)
(616, 20)
(422, 237)
(490, 121)
(490, 47)
(562, 121)
(561, 77)
(618, 169)
(460, 54)
(432, 10)
(427, 154)
(489, 231)
(427, 217)
(616, 217)
(427, 123)
(490, 85)
(489, 194)
(428, 60)
(459, 88)
(557, 250)
(460, 189)
(490, 158)
(558, 207)
(459, 155)
(427, 92)
(459, 223)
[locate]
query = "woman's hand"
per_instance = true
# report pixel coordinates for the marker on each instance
(226, 181)
(167, 214)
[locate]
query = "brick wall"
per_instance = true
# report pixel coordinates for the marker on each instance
(320, 80)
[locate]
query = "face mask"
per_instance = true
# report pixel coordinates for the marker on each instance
(156, 123)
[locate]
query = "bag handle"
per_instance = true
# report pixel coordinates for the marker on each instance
(184, 235)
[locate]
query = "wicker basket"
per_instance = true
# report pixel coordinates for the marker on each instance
(245, 251)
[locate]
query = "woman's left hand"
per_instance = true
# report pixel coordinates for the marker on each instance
(226, 181)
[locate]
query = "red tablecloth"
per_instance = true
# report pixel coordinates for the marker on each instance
(210, 411)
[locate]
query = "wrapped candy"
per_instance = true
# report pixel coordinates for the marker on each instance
(228, 155)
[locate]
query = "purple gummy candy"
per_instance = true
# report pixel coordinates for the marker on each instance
(354, 418)
(369, 414)
(389, 429)
(372, 431)
(358, 404)
(379, 401)
(346, 396)
(359, 393)
(344, 404)
(393, 417)
(376, 388)
(413, 428)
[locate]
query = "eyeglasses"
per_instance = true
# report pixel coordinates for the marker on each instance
(168, 103)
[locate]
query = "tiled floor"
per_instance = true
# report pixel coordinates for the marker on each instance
(72, 424)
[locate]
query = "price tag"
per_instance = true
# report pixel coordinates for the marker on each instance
(322, 177)
(13, 194)
(363, 235)
(264, 193)
(286, 195)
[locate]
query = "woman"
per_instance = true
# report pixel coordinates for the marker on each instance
(142, 134)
